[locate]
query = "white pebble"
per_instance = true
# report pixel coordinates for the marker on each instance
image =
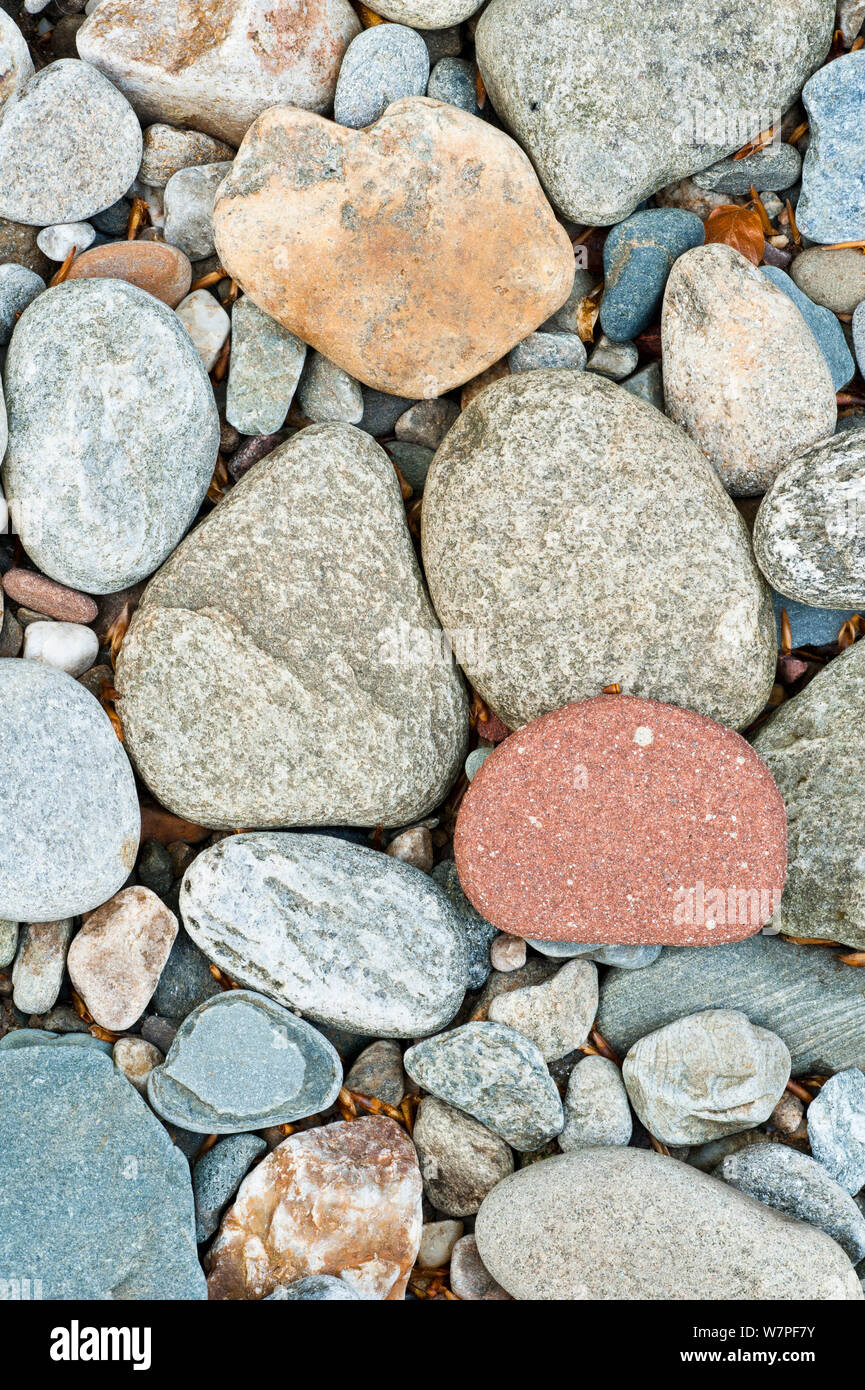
(507, 952)
(437, 1241)
(70, 647)
(56, 242)
(207, 324)
(36, 6)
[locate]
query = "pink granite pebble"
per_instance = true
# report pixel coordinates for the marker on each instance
(625, 821)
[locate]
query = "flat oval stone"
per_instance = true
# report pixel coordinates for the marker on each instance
(743, 373)
(240, 1062)
(557, 507)
(835, 279)
(809, 532)
(163, 270)
(623, 1223)
(351, 937)
(105, 470)
(381, 65)
(68, 803)
(300, 182)
(623, 820)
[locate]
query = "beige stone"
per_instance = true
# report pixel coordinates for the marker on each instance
(414, 254)
(342, 1199)
(166, 150)
(117, 957)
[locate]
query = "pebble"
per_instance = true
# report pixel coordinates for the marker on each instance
(105, 471)
(495, 1074)
(812, 746)
(625, 957)
(835, 279)
(240, 1062)
(743, 374)
(810, 627)
(166, 150)
(831, 206)
(454, 80)
(37, 974)
(597, 1113)
(69, 146)
(836, 1128)
(63, 767)
(217, 73)
(567, 319)
(352, 305)
(624, 1223)
(43, 595)
(434, 14)
(648, 385)
(469, 1279)
(823, 324)
(378, 1072)
(381, 65)
(426, 423)
(460, 1159)
(159, 1031)
(327, 393)
(290, 662)
(11, 633)
(850, 15)
(18, 288)
(189, 196)
(618, 469)
(117, 957)
(662, 103)
(413, 846)
(809, 529)
(507, 953)
(186, 980)
(93, 1141)
(413, 462)
(163, 270)
(793, 1183)
(706, 1075)
(540, 350)
(557, 1015)
(476, 760)
(437, 1241)
(67, 646)
(477, 933)
(136, 1058)
(381, 412)
(812, 1001)
(584, 825)
(114, 221)
(776, 166)
(264, 369)
(207, 324)
(316, 1288)
(534, 972)
(293, 915)
(57, 242)
(16, 65)
(613, 360)
(18, 245)
(218, 1174)
(8, 942)
(788, 1115)
(343, 1199)
(638, 257)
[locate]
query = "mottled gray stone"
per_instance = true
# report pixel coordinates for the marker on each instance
(347, 935)
(540, 350)
(299, 602)
(835, 279)
(792, 1182)
(327, 393)
(597, 1112)
(427, 422)
(460, 1159)
(454, 80)
(814, 1003)
(556, 1015)
(40, 1037)
(380, 65)
(836, 1128)
(599, 507)
(218, 1174)
(496, 1075)
(381, 411)
(625, 957)
(767, 170)
(613, 360)
(665, 98)
(240, 1062)
(623, 1223)
(413, 462)
(189, 196)
(429, 14)
(68, 804)
(8, 942)
(18, 288)
(166, 150)
(69, 147)
(705, 1075)
(476, 931)
(823, 324)
(809, 536)
(813, 746)
(315, 1288)
(186, 980)
(831, 206)
(648, 384)
(105, 470)
(38, 970)
(264, 369)
(94, 1199)
(378, 1072)
(858, 327)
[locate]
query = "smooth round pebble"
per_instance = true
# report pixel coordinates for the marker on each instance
(381, 65)
(162, 270)
(67, 646)
(57, 242)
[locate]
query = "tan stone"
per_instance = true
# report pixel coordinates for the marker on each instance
(162, 270)
(342, 1199)
(414, 254)
(117, 957)
(215, 64)
(166, 150)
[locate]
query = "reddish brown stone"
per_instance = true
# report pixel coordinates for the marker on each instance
(159, 824)
(46, 596)
(627, 821)
(163, 270)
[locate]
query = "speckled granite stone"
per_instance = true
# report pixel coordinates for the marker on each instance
(789, 1181)
(832, 203)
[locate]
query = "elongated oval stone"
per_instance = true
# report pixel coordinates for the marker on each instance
(163, 270)
(623, 820)
(349, 936)
(621, 1223)
(240, 1062)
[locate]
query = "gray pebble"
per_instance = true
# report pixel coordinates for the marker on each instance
(378, 1072)
(835, 279)
(427, 422)
(38, 970)
(454, 80)
(556, 1015)
(218, 1174)
(380, 65)
(776, 166)
(186, 980)
(859, 336)
(836, 1128)
(550, 350)
(413, 462)
(8, 943)
(315, 1288)
(625, 957)
(647, 384)
(381, 411)
(189, 196)
(614, 360)
(326, 393)
(596, 1106)
(18, 288)
(476, 931)
(460, 1159)
(792, 1182)
(264, 369)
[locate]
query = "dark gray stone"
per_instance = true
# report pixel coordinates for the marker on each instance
(18, 288)
(186, 980)
(775, 167)
(218, 1174)
(315, 1288)
(380, 65)
(454, 80)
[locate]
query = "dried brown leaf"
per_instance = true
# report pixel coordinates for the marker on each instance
(738, 227)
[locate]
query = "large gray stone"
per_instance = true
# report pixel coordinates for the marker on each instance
(113, 433)
(297, 605)
(814, 746)
(611, 105)
(626, 1224)
(347, 935)
(95, 1200)
(601, 509)
(240, 1062)
(68, 805)
(809, 998)
(792, 1182)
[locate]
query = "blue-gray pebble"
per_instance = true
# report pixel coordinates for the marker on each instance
(836, 1128)
(822, 323)
(218, 1174)
(638, 256)
(810, 627)
(18, 288)
(832, 203)
(186, 981)
(381, 65)
(859, 335)
(453, 80)
(541, 350)
(767, 170)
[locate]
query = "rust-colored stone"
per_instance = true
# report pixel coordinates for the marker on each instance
(45, 596)
(414, 253)
(342, 1199)
(163, 270)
